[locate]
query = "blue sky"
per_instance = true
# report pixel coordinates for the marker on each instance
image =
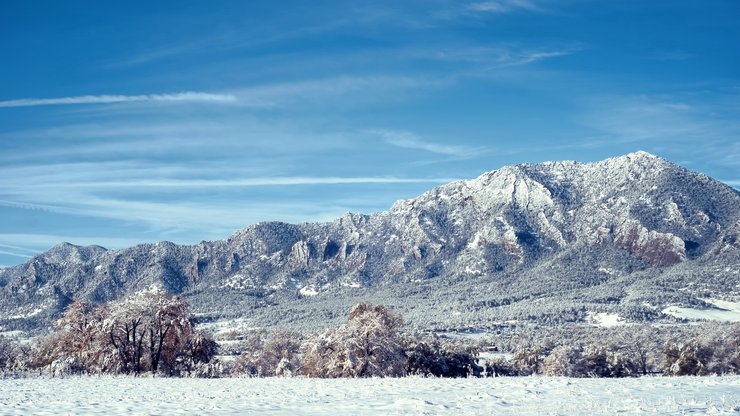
(127, 122)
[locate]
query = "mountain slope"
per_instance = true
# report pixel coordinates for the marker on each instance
(548, 241)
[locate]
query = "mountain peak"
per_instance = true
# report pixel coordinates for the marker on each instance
(640, 157)
(641, 154)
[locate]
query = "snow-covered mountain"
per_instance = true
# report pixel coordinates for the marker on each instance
(535, 241)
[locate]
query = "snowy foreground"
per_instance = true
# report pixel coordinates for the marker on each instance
(520, 396)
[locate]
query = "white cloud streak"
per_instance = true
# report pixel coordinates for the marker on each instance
(132, 192)
(42, 242)
(250, 182)
(15, 254)
(268, 96)
(188, 96)
(325, 91)
(504, 6)
(409, 140)
(16, 251)
(138, 175)
(494, 57)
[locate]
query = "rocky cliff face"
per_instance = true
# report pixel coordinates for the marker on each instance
(503, 223)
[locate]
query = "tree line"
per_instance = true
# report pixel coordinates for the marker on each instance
(153, 332)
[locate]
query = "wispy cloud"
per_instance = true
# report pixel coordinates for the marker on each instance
(164, 198)
(409, 140)
(43, 183)
(253, 182)
(188, 96)
(14, 253)
(502, 56)
(214, 218)
(327, 91)
(28, 206)
(672, 122)
(281, 94)
(235, 39)
(36, 243)
(17, 251)
(235, 138)
(664, 118)
(504, 6)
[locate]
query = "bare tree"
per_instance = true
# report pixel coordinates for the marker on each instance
(148, 329)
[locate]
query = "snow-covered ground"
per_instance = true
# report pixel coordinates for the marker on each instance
(605, 320)
(296, 396)
(726, 311)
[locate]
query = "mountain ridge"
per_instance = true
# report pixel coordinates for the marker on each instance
(635, 215)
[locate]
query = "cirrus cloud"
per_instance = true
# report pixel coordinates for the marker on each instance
(187, 96)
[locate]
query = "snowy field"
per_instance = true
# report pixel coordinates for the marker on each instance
(726, 311)
(414, 396)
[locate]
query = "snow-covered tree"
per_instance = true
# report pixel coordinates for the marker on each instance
(79, 338)
(196, 355)
(367, 345)
(688, 358)
(6, 352)
(565, 360)
(528, 360)
(641, 345)
(276, 354)
(432, 356)
(603, 360)
(724, 343)
(148, 329)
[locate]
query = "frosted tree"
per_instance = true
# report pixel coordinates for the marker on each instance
(607, 361)
(79, 333)
(195, 356)
(724, 343)
(686, 358)
(76, 344)
(565, 360)
(368, 345)
(148, 329)
(641, 345)
(9, 358)
(276, 354)
(432, 356)
(528, 360)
